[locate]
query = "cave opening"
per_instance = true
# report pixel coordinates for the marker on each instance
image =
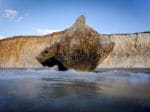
(52, 62)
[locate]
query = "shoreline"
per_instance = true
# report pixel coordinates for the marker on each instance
(143, 70)
(147, 70)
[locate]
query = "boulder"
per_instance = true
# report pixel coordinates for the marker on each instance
(79, 47)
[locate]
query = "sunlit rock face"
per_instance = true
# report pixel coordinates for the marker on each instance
(21, 51)
(130, 51)
(80, 48)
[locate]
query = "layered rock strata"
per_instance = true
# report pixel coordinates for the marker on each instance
(130, 51)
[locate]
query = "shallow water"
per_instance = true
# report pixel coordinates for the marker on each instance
(49, 90)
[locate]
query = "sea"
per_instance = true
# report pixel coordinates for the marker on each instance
(50, 90)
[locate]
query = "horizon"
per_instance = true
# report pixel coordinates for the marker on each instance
(36, 17)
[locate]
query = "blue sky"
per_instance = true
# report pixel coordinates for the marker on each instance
(35, 17)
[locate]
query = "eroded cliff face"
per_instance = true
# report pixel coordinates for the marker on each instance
(21, 51)
(130, 51)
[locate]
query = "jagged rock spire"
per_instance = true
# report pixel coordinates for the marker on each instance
(79, 25)
(80, 22)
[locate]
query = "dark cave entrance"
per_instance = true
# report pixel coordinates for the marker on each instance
(52, 62)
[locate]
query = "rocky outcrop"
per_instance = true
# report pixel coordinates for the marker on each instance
(80, 48)
(130, 51)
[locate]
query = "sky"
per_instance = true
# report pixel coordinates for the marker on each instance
(39, 17)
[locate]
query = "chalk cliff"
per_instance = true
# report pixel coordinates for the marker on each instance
(130, 51)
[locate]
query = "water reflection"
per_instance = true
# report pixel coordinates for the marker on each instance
(50, 90)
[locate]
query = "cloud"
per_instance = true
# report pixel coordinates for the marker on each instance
(14, 15)
(10, 13)
(46, 31)
(19, 19)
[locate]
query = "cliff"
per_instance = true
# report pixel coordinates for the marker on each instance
(79, 47)
(21, 51)
(130, 51)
